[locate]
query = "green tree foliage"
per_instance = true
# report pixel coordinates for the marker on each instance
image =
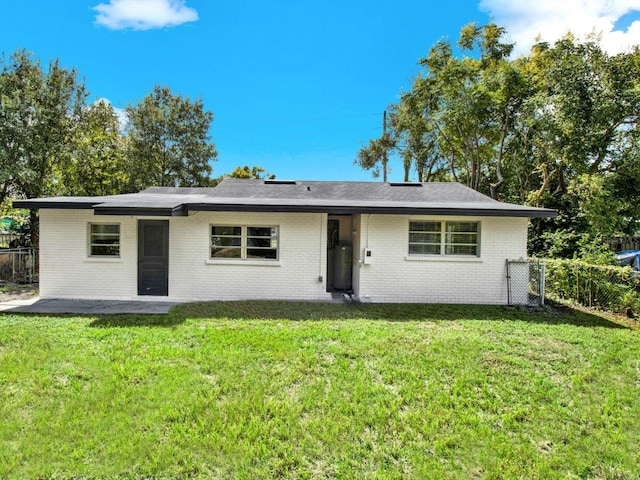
(245, 172)
(374, 156)
(455, 120)
(53, 143)
(556, 128)
(38, 112)
(251, 172)
(168, 141)
(97, 163)
(469, 103)
(577, 133)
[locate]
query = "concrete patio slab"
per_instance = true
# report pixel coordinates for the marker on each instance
(90, 307)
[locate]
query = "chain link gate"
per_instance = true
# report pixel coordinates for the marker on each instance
(19, 265)
(525, 282)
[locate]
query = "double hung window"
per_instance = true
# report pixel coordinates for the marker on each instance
(444, 238)
(244, 242)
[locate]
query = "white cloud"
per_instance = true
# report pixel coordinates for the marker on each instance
(552, 19)
(143, 14)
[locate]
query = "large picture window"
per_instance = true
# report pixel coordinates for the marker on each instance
(244, 242)
(444, 238)
(104, 240)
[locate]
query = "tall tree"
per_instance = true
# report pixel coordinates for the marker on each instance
(168, 141)
(557, 128)
(38, 110)
(97, 162)
(574, 138)
(415, 139)
(470, 102)
(374, 156)
(454, 122)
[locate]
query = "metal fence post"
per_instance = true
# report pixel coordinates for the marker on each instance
(541, 278)
(508, 282)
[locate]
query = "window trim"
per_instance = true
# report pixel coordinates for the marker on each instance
(244, 247)
(444, 244)
(91, 244)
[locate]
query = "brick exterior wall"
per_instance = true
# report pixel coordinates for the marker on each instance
(394, 276)
(66, 270)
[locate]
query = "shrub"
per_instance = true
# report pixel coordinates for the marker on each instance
(611, 288)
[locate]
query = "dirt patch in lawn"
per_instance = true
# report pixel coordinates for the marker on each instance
(9, 292)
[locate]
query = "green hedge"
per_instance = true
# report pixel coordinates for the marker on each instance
(611, 288)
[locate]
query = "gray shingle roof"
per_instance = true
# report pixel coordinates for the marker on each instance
(444, 198)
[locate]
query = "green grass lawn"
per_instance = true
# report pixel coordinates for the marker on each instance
(293, 390)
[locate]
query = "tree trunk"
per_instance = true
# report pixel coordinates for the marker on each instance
(34, 229)
(545, 184)
(407, 165)
(496, 186)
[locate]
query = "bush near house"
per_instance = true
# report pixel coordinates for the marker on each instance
(610, 288)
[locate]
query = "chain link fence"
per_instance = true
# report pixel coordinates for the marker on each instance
(19, 265)
(525, 282)
(610, 288)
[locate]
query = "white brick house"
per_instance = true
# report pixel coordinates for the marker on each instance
(261, 239)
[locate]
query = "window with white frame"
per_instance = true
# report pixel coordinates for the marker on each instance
(444, 238)
(244, 242)
(104, 240)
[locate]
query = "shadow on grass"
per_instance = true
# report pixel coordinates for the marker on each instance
(135, 320)
(300, 311)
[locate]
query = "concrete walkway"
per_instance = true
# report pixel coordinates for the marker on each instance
(90, 307)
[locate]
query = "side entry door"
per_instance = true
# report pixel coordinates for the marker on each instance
(153, 257)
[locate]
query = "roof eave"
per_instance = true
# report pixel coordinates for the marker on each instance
(62, 205)
(348, 210)
(184, 209)
(141, 211)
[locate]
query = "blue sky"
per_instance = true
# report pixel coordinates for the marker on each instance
(295, 87)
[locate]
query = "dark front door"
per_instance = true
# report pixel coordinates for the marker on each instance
(153, 257)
